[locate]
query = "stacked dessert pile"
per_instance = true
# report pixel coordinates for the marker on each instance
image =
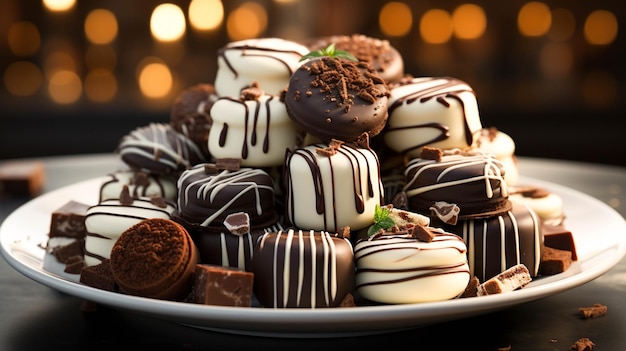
(317, 175)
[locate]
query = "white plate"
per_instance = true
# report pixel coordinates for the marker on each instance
(599, 234)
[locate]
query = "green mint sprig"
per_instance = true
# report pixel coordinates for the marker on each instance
(381, 220)
(329, 51)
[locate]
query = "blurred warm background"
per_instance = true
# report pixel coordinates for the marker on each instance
(78, 75)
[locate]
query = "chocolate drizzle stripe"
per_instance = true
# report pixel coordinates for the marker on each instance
(448, 88)
(414, 274)
(267, 54)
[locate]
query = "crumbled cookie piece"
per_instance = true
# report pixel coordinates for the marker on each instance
(582, 344)
(511, 279)
(597, 310)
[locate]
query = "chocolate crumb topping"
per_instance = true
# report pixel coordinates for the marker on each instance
(125, 198)
(340, 79)
(597, 310)
(158, 201)
(422, 233)
(431, 153)
(344, 232)
(252, 92)
(228, 164)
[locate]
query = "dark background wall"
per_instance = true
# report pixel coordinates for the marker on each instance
(548, 115)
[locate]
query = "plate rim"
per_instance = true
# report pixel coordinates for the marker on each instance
(315, 322)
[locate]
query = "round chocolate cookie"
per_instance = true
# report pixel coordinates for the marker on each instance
(190, 114)
(155, 258)
(379, 53)
(336, 98)
(302, 268)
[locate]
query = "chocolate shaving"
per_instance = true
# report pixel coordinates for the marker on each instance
(252, 92)
(344, 232)
(228, 164)
(431, 153)
(158, 201)
(125, 198)
(210, 168)
(237, 223)
(422, 233)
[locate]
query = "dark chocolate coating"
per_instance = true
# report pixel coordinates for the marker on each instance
(157, 148)
(205, 200)
(337, 99)
(190, 114)
(500, 242)
(319, 269)
(475, 183)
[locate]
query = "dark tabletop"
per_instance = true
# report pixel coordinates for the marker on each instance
(35, 317)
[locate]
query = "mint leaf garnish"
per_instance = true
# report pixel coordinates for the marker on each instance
(329, 51)
(381, 220)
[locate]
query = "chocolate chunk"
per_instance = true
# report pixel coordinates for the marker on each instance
(237, 223)
(65, 253)
(69, 220)
(554, 261)
(228, 164)
(447, 213)
(158, 201)
(222, 286)
(431, 153)
(422, 233)
(99, 276)
(125, 198)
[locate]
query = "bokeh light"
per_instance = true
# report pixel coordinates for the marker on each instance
(57, 61)
(246, 21)
(101, 26)
(100, 56)
(155, 78)
(556, 60)
(23, 78)
(59, 5)
(534, 19)
(100, 85)
(436, 26)
(601, 27)
(469, 21)
(65, 87)
(206, 14)
(24, 38)
(563, 25)
(395, 19)
(167, 22)
(599, 88)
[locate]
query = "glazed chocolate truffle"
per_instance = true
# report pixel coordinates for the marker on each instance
(439, 112)
(157, 148)
(209, 193)
(267, 61)
(254, 127)
(336, 98)
(155, 258)
(499, 242)
(379, 53)
(190, 114)
(303, 268)
(328, 187)
(473, 181)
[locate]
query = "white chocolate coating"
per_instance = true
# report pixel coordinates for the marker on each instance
(549, 208)
(330, 192)
(432, 111)
(106, 221)
(267, 61)
(256, 131)
(502, 146)
(155, 185)
(397, 269)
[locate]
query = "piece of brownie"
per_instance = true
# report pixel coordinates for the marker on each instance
(99, 276)
(559, 237)
(22, 178)
(69, 220)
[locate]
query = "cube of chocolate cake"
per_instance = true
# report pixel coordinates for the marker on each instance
(22, 178)
(69, 220)
(99, 276)
(223, 286)
(559, 237)
(554, 261)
